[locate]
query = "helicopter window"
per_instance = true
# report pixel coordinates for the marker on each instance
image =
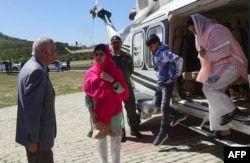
(158, 30)
(138, 41)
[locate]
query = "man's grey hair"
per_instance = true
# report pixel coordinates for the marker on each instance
(40, 44)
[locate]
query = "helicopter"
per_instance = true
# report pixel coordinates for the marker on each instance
(167, 19)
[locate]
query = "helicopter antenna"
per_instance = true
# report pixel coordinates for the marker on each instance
(92, 27)
(93, 14)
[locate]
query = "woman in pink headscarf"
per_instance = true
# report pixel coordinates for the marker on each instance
(223, 62)
(105, 89)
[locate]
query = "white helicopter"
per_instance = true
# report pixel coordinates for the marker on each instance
(167, 19)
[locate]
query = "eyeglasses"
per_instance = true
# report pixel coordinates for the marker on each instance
(99, 54)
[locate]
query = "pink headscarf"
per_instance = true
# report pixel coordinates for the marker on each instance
(208, 35)
(107, 102)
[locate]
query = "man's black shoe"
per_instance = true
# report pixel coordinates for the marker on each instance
(217, 135)
(160, 139)
(90, 134)
(178, 119)
(124, 139)
(138, 134)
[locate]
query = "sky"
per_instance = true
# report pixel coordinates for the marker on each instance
(66, 21)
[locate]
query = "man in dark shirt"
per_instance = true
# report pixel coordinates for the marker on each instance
(124, 61)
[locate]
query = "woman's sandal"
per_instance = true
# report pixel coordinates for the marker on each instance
(225, 119)
(217, 135)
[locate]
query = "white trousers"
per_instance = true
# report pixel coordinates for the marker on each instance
(102, 147)
(219, 102)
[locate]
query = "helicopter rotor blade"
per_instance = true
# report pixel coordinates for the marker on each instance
(96, 1)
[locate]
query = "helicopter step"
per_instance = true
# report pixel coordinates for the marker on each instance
(230, 143)
(240, 123)
(199, 110)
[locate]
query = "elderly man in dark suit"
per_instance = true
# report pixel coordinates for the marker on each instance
(36, 120)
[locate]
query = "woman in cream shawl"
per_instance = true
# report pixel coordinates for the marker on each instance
(223, 62)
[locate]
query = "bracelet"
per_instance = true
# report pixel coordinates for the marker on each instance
(113, 82)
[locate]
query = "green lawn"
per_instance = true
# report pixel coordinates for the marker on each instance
(63, 82)
(82, 63)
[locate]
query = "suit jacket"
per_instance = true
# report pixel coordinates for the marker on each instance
(36, 119)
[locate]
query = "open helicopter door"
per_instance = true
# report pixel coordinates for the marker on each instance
(197, 106)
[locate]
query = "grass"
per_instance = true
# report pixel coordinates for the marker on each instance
(67, 82)
(82, 63)
(8, 89)
(63, 82)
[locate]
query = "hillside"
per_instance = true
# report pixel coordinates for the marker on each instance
(19, 50)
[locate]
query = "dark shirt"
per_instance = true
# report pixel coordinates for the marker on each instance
(125, 63)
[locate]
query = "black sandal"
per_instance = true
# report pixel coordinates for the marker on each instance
(217, 135)
(225, 119)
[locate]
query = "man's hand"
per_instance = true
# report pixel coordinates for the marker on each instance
(33, 148)
(174, 77)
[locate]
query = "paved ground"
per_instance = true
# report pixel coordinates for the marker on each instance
(73, 146)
